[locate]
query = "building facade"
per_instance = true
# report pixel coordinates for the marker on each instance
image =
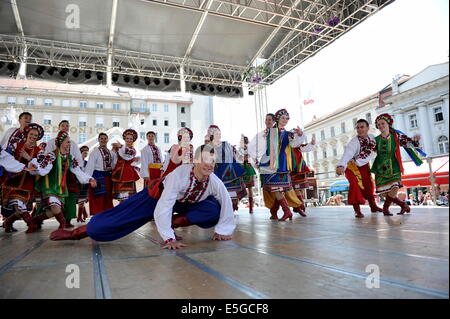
(92, 109)
(420, 106)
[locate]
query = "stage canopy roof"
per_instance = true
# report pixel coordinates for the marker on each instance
(204, 41)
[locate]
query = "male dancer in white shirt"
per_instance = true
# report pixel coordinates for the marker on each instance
(355, 163)
(100, 164)
(151, 160)
(191, 190)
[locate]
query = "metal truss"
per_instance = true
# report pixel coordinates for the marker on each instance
(305, 20)
(95, 58)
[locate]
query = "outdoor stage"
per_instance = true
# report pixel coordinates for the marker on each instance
(322, 256)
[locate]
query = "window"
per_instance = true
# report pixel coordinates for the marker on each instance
(183, 124)
(334, 152)
(166, 108)
(438, 115)
(115, 122)
(324, 154)
(166, 138)
(30, 101)
(332, 131)
(155, 122)
(143, 107)
(322, 135)
(443, 144)
(47, 120)
(313, 136)
(142, 134)
(315, 155)
(116, 106)
(183, 109)
(354, 121)
(166, 122)
(81, 138)
(343, 127)
(82, 121)
(99, 122)
(46, 137)
(413, 121)
(369, 117)
(99, 105)
(11, 100)
(48, 102)
(83, 104)
(66, 103)
(154, 107)
(156, 137)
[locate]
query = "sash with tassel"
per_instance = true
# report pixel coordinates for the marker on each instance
(412, 152)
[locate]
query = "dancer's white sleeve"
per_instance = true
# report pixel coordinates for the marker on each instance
(308, 147)
(298, 140)
(92, 161)
(226, 223)
(257, 146)
(82, 177)
(350, 151)
(164, 207)
(43, 164)
(10, 163)
(145, 159)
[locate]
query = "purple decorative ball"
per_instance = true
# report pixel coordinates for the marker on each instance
(334, 21)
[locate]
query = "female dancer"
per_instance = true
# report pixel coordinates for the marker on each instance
(125, 175)
(387, 166)
(18, 190)
(54, 167)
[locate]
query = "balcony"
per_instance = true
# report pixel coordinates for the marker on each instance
(139, 110)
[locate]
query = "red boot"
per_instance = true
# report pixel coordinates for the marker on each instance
(250, 204)
(36, 222)
(387, 203)
(405, 207)
(180, 221)
(63, 234)
(357, 209)
(286, 210)
(235, 205)
(374, 208)
(62, 221)
(8, 223)
(274, 210)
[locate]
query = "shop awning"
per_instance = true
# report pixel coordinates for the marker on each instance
(339, 186)
(420, 176)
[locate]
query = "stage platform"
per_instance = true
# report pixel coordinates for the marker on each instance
(328, 254)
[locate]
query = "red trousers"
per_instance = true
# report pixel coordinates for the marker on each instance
(101, 203)
(356, 195)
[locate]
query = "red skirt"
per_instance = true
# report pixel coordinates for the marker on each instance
(101, 203)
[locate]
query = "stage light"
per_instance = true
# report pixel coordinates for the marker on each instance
(211, 88)
(76, 73)
(219, 88)
(115, 77)
(228, 89)
(126, 78)
(147, 81)
(202, 87)
(166, 82)
(63, 72)
(157, 82)
(52, 70)
(99, 76)
(136, 80)
(251, 93)
(87, 74)
(194, 87)
(40, 69)
(11, 66)
(2, 64)
(237, 91)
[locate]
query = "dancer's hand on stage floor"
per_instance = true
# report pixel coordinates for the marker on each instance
(174, 245)
(221, 237)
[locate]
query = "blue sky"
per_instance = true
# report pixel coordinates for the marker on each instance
(403, 38)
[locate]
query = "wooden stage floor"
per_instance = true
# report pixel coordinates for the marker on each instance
(324, 255)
